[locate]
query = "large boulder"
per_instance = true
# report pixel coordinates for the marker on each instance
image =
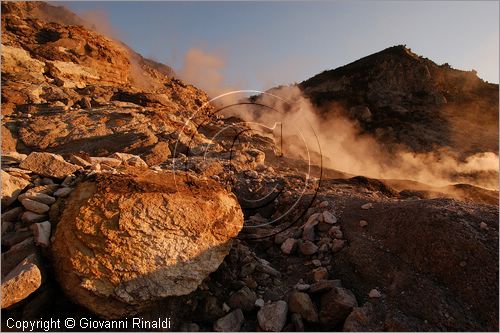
(125, 241)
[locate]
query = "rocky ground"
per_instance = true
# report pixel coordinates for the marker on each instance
(359, 256)
(114, 205)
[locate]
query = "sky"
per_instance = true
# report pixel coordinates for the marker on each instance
(258, 45)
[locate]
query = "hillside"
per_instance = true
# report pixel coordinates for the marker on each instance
(403, 98)
(49, 66)
(125, 194)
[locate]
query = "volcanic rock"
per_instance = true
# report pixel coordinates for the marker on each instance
(11, 215)
(16, 254)
(337, 245)
(230, 323)
(41, 232)
(335, 232)
(12, 238)
(320, 273)
(6, 227)
(186, 223)
(289, 245)
(336, 305)
(30, 217)
(129, 159)
(307, 248)
(243, 299)
(404, 99)
(40, 197)
(329, 217)
(374, 293)
(297, 322)
(158, 154)
(48, 165)
(11, 187)
(302, 304)
(79, 161)
(35, 206)
(368, 205)
(272, 317)
(12, 157)
(364, 319)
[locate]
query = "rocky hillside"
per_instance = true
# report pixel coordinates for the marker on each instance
(403, 98)
(67, 82)
(116, 204)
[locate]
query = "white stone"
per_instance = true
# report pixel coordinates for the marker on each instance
(226, 307)
(230, 323)
(302, 286)
(367, 206)
(324, 204)
(11, 187)
(259, 302)
(40, 197)
(335, 232)
(41, 232)
(272, 317)
(374, 293)
(329, 217)
(314, 219)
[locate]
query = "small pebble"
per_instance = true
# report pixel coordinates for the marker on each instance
(226, 307)
(335, 232)
(374, 293)
(363, 223)
(259, 302)
(367, 206)
(329, 217)
(483, 226)
(302, 286)
(323, 204)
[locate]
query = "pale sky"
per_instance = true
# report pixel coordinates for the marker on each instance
(257, 45)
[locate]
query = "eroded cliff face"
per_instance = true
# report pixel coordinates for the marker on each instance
(49, 66)
(404, 99)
